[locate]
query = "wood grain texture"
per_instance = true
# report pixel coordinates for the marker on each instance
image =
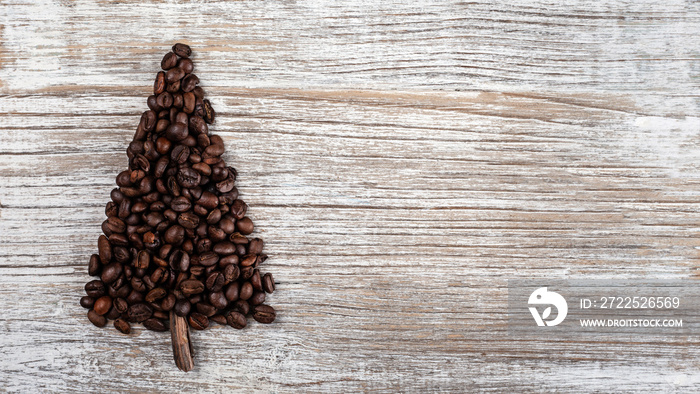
(401, 160)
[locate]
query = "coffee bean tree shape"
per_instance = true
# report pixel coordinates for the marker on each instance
(176, 249)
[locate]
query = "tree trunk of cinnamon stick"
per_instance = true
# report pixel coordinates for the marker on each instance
(182, 348)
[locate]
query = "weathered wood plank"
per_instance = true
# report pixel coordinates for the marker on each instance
(401, 160)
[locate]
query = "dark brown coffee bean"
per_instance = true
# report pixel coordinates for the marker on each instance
(186, 65)
(173, 88)
(239, 209)
(157, 276)
(169, 61)
(208, 259)
(231, 273)
(180, 260)
(155, 294)
(103, 305)
(256, 280)
(182, 50)
(188, 178)
(247, 272)
(246, 291)
(176, 132)
(164, 100)
(241, 307)
(139, 312)
(264, 314)
(236, 320)
(245, 226)
(191, 286)
(123, 326)
(255, 246)
(219, 319)
(214, 150)
(159, 84)
(268, 283)
(209, 113)
(174, 75)
(182, 308)
(188, 102)
(168, 302)
(188, 220)
(198, 321)
(111, 272)
(248, 260)
(189, 83)
(257, 298)
(218, 300)
(154, 324)
(105, 251)
(121, 305)
(174, 235)
(96, 319)
(180, 204)
(87, 302)
(215, 281)
(204, 308)
(94, 266)
(198, 126)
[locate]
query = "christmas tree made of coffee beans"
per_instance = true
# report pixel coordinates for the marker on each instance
(175, 251)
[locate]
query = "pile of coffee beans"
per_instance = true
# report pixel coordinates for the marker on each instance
(176, 234)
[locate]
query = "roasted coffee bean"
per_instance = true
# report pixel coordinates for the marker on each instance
(111, 272)
(169, 61)
(215, 281)
(168, 302)
(180, 260)
(246, 291)
(105, 251)
(241, 307)
(181, 204)
(256, 280)
(94, 266)
(174, 75)
(173, 88)
(264, 314)
(155, 325)
(257, 298)
(218, 300)
(139, 312)
(247, 272)
(209, 113)
(198, 321)
(122, 326)
(159, 84)
(188, 178)
(204, 308)
(198, 126)
(121, 305)
(191, 286)
(208, 259)
(182, 50)
(245, 226)
(231, 272)
(174, 235)
(182, 308)
(186, 65)
(219, 319)
(239, 209)
(255, 246)
(176, 132)
(155, 294)
(236, 320)
(189, 83)
(103, 305)
(248, 260)
(188, 220)
(96, 319)
(87, 302)
(268, 283)
(164, 100)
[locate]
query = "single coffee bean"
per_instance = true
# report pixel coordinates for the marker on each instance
(247, 272)
(245, 226)
(174, 235)
(188, 178)
(264, 314)
(256, 280)
(123, 326)
(139, 312)
(176, 132)
(268, 283)
(208, 259)
(174, 75)
(249, 260)
(103, 305)
(246, 291)
(198, 126)
(155, 325)
(94, 266)
(95, 289)
(188, 220)
(105, 251)
(159, 84)
(169, 61)
(189, 83)
(198, 321)
(121, 305)
(236, 320)
(219, 319)
(255, 246)
(181, 204)
(204, 308)
(188, 102)
(155, 294)
(231, 272)
(257, 298)
(87, 302)
(168, 302)
(173, 88)
(215, 281)
(209, 113)
(182, 50)
(239, 209)
(241, 307)
(111, 272)
(186, 65)
(164, 100)
(218, 300)
(182, 308)
(191, 286)
(98, 320)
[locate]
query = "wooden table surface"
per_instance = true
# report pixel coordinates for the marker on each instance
(402, 161)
